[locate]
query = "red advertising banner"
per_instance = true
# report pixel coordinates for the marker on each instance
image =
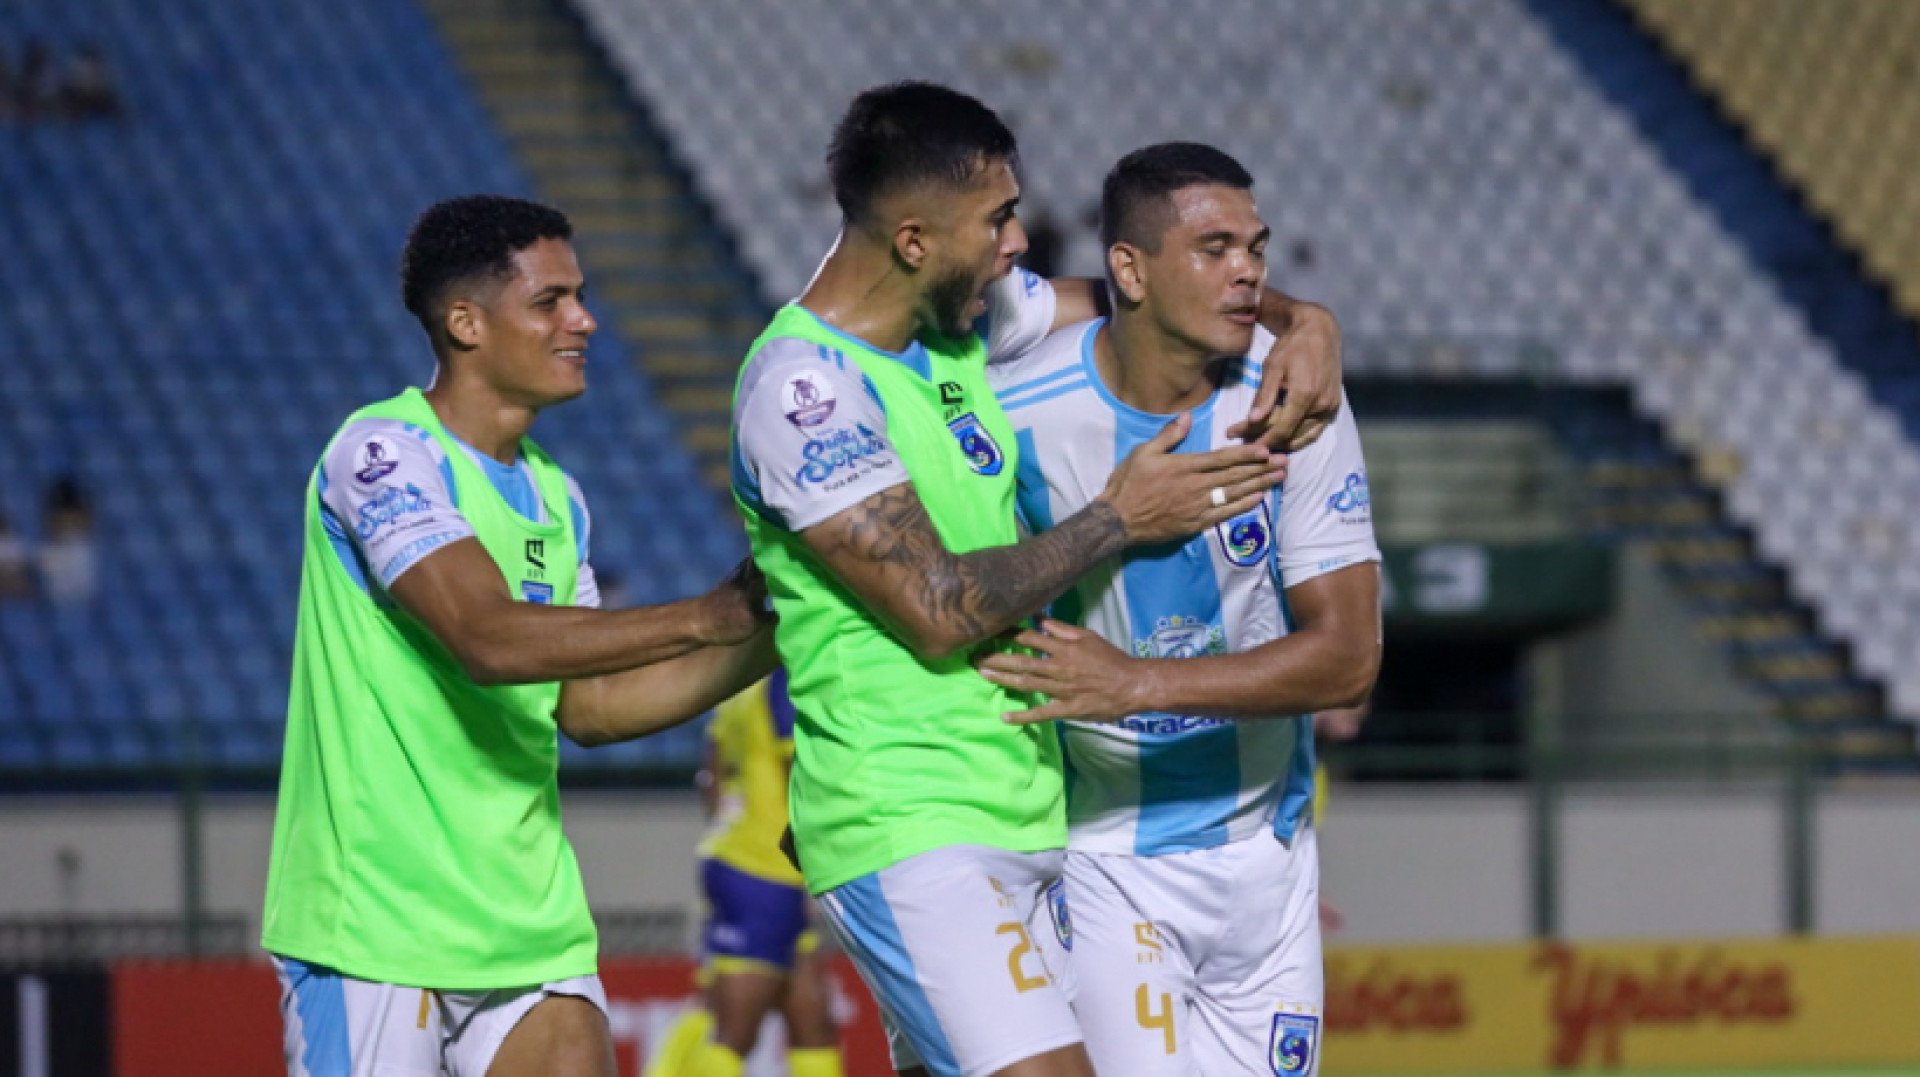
(190, 1019)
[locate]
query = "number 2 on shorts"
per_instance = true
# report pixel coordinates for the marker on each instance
(1143, 1012)
(1022, 982)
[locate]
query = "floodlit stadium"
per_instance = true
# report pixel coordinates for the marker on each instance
(1628, 294)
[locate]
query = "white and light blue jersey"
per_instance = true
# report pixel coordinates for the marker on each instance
(1163, 783)
(388, 499)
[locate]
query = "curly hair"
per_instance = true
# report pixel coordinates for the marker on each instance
(469, 238)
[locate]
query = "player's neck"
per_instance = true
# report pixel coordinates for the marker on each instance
(478, 416)
(862, 293)
(1150, 371)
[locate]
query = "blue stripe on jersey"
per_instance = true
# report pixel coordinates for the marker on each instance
(579, 513)
(1013, 391)
(1297, 797)
(344, 550)
(1030, 498)
(1073, 386)
(875, 944)
(748, 487)
(319, 1004)
(914, 358)
(512, 482)
(1189, 779)
(446, 464)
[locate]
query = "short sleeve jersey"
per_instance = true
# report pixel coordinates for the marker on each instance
(386, 500)
(1162, 783)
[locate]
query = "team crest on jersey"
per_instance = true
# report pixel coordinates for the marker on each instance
(982, 454)
(1062, 921)
(1182, 637)
(1295, 1040)
(1245, 538)
(375, 461)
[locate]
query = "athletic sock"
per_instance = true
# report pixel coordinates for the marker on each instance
(814, 1062)
(716, 1060)
(681, 1045)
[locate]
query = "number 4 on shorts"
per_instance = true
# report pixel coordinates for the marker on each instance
(1149, 1020)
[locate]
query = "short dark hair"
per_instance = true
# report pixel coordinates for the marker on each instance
(907, 133)
(1134, 200)
(474, 236)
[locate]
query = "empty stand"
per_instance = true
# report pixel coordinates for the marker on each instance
(196, 295)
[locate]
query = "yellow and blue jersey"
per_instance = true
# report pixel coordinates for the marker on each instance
(752, 736)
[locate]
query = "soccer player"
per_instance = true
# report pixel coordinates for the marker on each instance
(876, 475)
(1186, 670)
(423, 907)
(757, 950)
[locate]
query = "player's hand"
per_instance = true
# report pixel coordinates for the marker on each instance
(1331, 919)
(1085, 678)
(1163, 495)
(1304, 367)
(737, 608)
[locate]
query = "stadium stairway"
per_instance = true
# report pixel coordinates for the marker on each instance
(1715, 136)
(1640, 489)
(649, 246)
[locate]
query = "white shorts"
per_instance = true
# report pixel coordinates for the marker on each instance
(1200, 963)
(960, 947)
(337, 1026)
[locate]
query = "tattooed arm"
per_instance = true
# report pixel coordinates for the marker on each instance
(887, 551)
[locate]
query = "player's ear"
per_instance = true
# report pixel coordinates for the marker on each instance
(1128, 269)
(910, 242)
(465, 323)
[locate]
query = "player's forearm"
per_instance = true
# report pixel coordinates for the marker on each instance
(978, 595)
(639, 702)
(1296, 674)
(527, 643)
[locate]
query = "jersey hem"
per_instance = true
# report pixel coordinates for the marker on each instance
(517, 976)
(862, 868)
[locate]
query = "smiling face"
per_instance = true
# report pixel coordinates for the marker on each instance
(1201, 285)
(972, 240)
(527, 336)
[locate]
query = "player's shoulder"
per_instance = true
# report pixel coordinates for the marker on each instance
(371, 448)
(1056, 366)
(806, 369)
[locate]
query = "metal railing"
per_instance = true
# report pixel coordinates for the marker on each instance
(1778, 760)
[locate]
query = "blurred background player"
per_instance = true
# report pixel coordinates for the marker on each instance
(758, 951)
(872, 466)
(424, 909)
(1192, 874)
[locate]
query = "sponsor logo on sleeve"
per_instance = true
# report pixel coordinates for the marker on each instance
(983, 455)
(837, 457)
(1291, 1047)
(1352, 496)
(388, 508)
(1353, 502)
(1245, 538)
(375, 460)
(807, 399)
